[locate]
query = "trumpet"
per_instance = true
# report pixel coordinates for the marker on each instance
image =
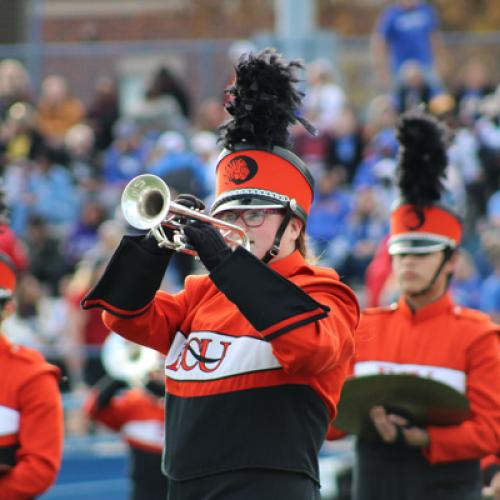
(146, 204)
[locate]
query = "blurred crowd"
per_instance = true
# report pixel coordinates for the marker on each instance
(65, 163)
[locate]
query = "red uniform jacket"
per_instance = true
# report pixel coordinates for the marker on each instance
(238, 397)
(448, 343)
(139, 416)
(31, 422)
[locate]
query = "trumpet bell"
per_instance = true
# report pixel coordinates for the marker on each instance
(145, 201)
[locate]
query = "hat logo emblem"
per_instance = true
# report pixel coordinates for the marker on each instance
(240, 169)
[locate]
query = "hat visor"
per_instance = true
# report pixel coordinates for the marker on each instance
(417, 245)
(246, 203)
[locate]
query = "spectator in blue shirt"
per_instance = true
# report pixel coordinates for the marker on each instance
(407, 30)
(365, 228)
(328, 215)
(182, 170)
(466, 283)
(126, 156)
(490, 288)
(50, 193)
(383, 146)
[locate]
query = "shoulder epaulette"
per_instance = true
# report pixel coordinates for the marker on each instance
(471, 314)
(24, 353)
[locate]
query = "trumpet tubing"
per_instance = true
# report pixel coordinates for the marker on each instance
(146, 204)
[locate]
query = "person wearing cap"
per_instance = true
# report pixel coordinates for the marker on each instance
(258, 349)
(427, 335)
(31, 414)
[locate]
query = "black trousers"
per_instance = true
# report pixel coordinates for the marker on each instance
(251, 484)
(392, 472)
(149, 492)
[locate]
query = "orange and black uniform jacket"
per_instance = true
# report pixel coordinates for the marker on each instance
(140, 417)
(256, 358)
(451, 344)
(31, 422)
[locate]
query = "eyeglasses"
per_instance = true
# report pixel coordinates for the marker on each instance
(251, 217)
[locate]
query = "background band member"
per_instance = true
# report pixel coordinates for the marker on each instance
(258, 349)
(139, 414)
(31, 414)
(426, 334)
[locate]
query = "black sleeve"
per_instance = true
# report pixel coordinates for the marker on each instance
(131, 279)
(270, 302)
(106, 389)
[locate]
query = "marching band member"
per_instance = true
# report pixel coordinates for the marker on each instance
(258, 349)
(426, 334)
(31, 414)
(139, 414)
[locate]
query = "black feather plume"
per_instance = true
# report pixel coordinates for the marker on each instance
(263, 102)
(422, 159)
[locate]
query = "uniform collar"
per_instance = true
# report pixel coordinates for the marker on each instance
(288, 265)
(440, 306)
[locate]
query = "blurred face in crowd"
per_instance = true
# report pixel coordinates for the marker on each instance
(366, 202)
(261, 226)
(346, 123)
(54, 89)
(14, 78)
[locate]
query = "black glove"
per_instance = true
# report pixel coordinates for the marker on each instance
(208, 242)
(106, 389)
(189, 201)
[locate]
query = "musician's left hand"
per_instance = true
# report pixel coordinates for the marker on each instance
(391, 426)
(208, 243)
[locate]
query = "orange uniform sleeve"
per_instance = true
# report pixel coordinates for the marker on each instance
(151, 327)
(318, 346)
(480, 435)
(40, 439)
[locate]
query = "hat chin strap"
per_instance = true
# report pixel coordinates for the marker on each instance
(274, 250)
(448, 252)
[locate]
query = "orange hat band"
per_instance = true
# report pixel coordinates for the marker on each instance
(441, 228)
(276, 177)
